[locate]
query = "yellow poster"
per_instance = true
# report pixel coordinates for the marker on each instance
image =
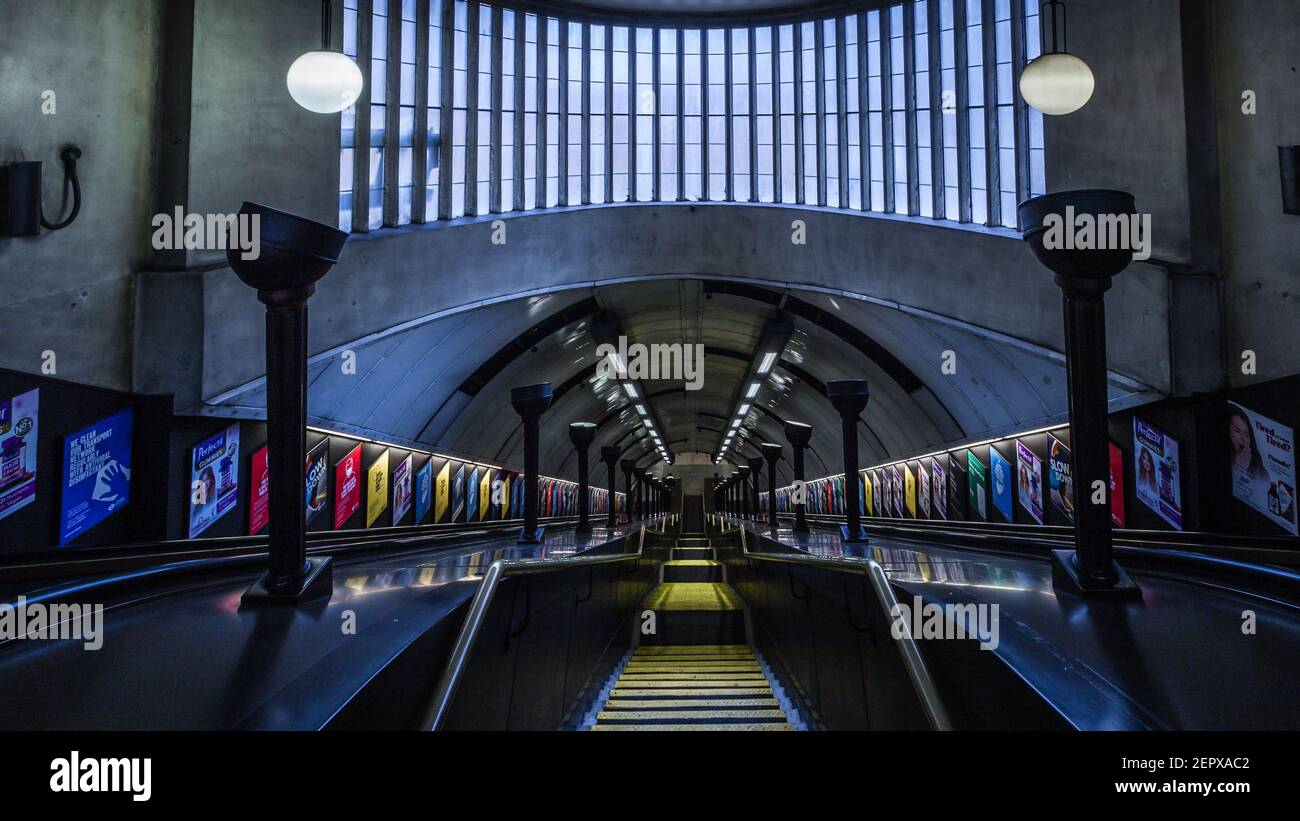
(442, 496)
(867, 497)
(909, 490)
(485, 496)
(377, 489)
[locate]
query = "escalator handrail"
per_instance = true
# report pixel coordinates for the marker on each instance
(922, 681)
(435, 713)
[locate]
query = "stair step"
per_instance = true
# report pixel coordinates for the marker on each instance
(693, 596)
(680, 716)
(690, 703)
(698, 727)
(694, 649)
(689, 691)
(692, 570)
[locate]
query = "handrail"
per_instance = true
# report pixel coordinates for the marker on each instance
(922, 682)
(435, 713)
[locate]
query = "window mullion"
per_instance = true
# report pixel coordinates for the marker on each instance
(471, 108)
(393, 113)
(633, 104)
(887, 109)
(609, 114)
(705, 191)
(752, 34)
(495, 116)
(361, 123)
(842, 110)
(562, 134)
(775, 55)
(819, 96)
(520, 142)
(909, 103)
(961, 59)
(543, 111)
(1019, 56)
(864, 112)
(448, 112)
(797, 46)
(655, 165)
(681, 114)
(728, 129)
(420, 137)
(993, 174)
(586, 114)
(938, 182)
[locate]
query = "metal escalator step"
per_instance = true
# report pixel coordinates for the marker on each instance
(688, 692)
(680, 716)
(693, 596)
(698, 727)
(697, 667)
(687, 649)
(691, 703)
(720, 675)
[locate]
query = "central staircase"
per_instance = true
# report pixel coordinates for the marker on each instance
(695, 671)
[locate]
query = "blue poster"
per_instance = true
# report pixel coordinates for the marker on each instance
(214, 479)
(458, 495)
(96, 474)
(423, 491)
(1001, 483)
(471, 496)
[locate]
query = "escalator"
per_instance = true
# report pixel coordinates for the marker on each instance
(694, 670)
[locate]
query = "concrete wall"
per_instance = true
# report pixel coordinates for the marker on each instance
(1258, 50)
(70, 291)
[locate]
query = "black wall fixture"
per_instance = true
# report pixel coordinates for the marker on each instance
(1288, 160)
(21, 214)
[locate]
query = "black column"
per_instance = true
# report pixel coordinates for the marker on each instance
(756, 477)
(628, 466)
(1084, 276)
(295, 254)
(849, 396)
(799, 434)
(642, 494)
(609, 455)
(772, 453)
(742, 497)
(582, 434)
(530, 402)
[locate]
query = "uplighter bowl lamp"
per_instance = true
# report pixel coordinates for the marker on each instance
(325, 81)
(1056, 82)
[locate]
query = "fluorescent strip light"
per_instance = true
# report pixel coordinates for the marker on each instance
(640, 409)
(753, 390)
(768, 361)
(631, 390)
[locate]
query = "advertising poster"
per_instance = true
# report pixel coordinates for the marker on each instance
(1116, 485)
(1059, 477)
(868, 494)
(458, 494)
(896, 480)
(1000, 481)
(940, 486)
(508, 482)
(96, 474)
(471, 495)
(347, 487)
(500, 501)
(1029, 469)
(884, 497)
(18, 417)
(259, 496)
(977, 483)
(923, 501)
(485, 495)
(1156, 466)
(402, 480)
(423, 491)
(1263, 465)
(909, 490)
(442, 493)
(318, 479)
(377, 489)
(214, 479)
(957, 501)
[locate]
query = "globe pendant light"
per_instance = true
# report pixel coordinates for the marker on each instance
(325, 81)
(1056, 82)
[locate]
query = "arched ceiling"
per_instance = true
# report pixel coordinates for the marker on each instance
(445, 384)
(686, 12)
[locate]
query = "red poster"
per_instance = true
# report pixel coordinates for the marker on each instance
(259, 504)
(1116, 486)
(347, 487)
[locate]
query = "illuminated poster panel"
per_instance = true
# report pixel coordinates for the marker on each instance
(909, 490)
(442, 494)
(977, 482)
(507, 494)
(923, 500)
(317, 479)
(259, 497)
(1029, 470)
(939, 485)
(96, 474)
(377, 489)
(458, 481)
(1060, 479)
(896, 479)
(500, 502)
(402, 486)
(1000, 469)
(1263, 465)
(485, 495)
(1116, 485)
(347, 487)
(1156, 465)
(18, 417)
(214, 479)
(423, 491)
(868, 492)
(958, 503)
(471, 495)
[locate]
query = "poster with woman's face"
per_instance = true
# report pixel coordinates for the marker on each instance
(1156, 468)
(1263, 465)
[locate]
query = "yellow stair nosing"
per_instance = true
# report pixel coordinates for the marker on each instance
(674, 703)
(683, 715)
(690, 692)
(693, 727)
